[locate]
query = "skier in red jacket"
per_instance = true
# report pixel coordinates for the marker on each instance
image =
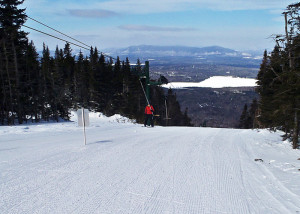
(149, 112)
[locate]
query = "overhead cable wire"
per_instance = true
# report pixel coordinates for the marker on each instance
(55, 37)
(58, 31)
(105, 55)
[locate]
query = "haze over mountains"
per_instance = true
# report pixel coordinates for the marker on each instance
(188, 55)
(182, 55)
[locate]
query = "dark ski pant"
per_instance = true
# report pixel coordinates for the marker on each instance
(149, 117)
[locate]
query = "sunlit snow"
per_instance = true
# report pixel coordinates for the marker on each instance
(127, 168)
(215, 82)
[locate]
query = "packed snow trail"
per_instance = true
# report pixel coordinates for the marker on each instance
(126, 168)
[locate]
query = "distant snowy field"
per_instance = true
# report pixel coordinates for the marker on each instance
(215, 82)
(126, 168)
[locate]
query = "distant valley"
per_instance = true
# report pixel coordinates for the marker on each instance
(206, 106)
(219, 108)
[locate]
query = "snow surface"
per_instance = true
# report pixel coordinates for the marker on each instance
(126, 168)
(215, 82)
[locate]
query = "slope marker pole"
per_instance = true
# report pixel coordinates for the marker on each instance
(83, 123)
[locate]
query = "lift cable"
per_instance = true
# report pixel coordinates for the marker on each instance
(55, 37)
(64, 35)
(58, 31)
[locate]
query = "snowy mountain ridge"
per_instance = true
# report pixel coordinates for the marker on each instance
(159, 51)
(164, 55)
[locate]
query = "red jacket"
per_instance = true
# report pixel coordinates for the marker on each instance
(148, 109)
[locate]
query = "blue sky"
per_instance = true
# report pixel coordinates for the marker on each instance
(236, 24)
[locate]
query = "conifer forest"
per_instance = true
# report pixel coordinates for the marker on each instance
(42, 88)
(45, 87)
(279, 80)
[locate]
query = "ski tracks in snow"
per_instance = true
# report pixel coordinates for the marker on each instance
(138, 170)
(260, 183)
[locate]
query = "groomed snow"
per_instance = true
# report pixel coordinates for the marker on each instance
(215, 82)
(126, 168)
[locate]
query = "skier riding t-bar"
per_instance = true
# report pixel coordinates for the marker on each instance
(149, 114)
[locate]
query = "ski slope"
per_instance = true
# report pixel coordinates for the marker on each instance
(126, 168)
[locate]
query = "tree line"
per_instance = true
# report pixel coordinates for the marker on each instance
(247, 118)
(279, 82)
(46, 87)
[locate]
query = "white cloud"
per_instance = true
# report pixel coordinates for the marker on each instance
(153, 28)
(92, 13)
(156, 6)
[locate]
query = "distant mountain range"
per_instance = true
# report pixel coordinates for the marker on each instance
(160, 51)
(187, 55)
(171, 55)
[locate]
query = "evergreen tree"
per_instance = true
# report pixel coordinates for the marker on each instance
(279, 84)
(177, 118)
(12, 49)
(186, 118)
(32, 83)
(252, 114)
(134, 98)
(117, 87)
(60, 101)
(248, 117)
(138, 66)
(244, 119)
(81, 82)
(126, 75)
(45, 84)
(266, 89)
(158, 102)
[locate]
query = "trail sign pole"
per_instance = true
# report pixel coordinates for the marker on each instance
(166, 112)
(83, 123)
(83, 120)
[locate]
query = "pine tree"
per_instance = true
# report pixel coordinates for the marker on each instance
(279, 84)
(186, 119)
(12, 48)
(243, 124)
(32, 82)
(99, 81)
(81, 82)
(252, 114)
(265, 88)
(61, 101)
(177, 118)
(117, 87)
